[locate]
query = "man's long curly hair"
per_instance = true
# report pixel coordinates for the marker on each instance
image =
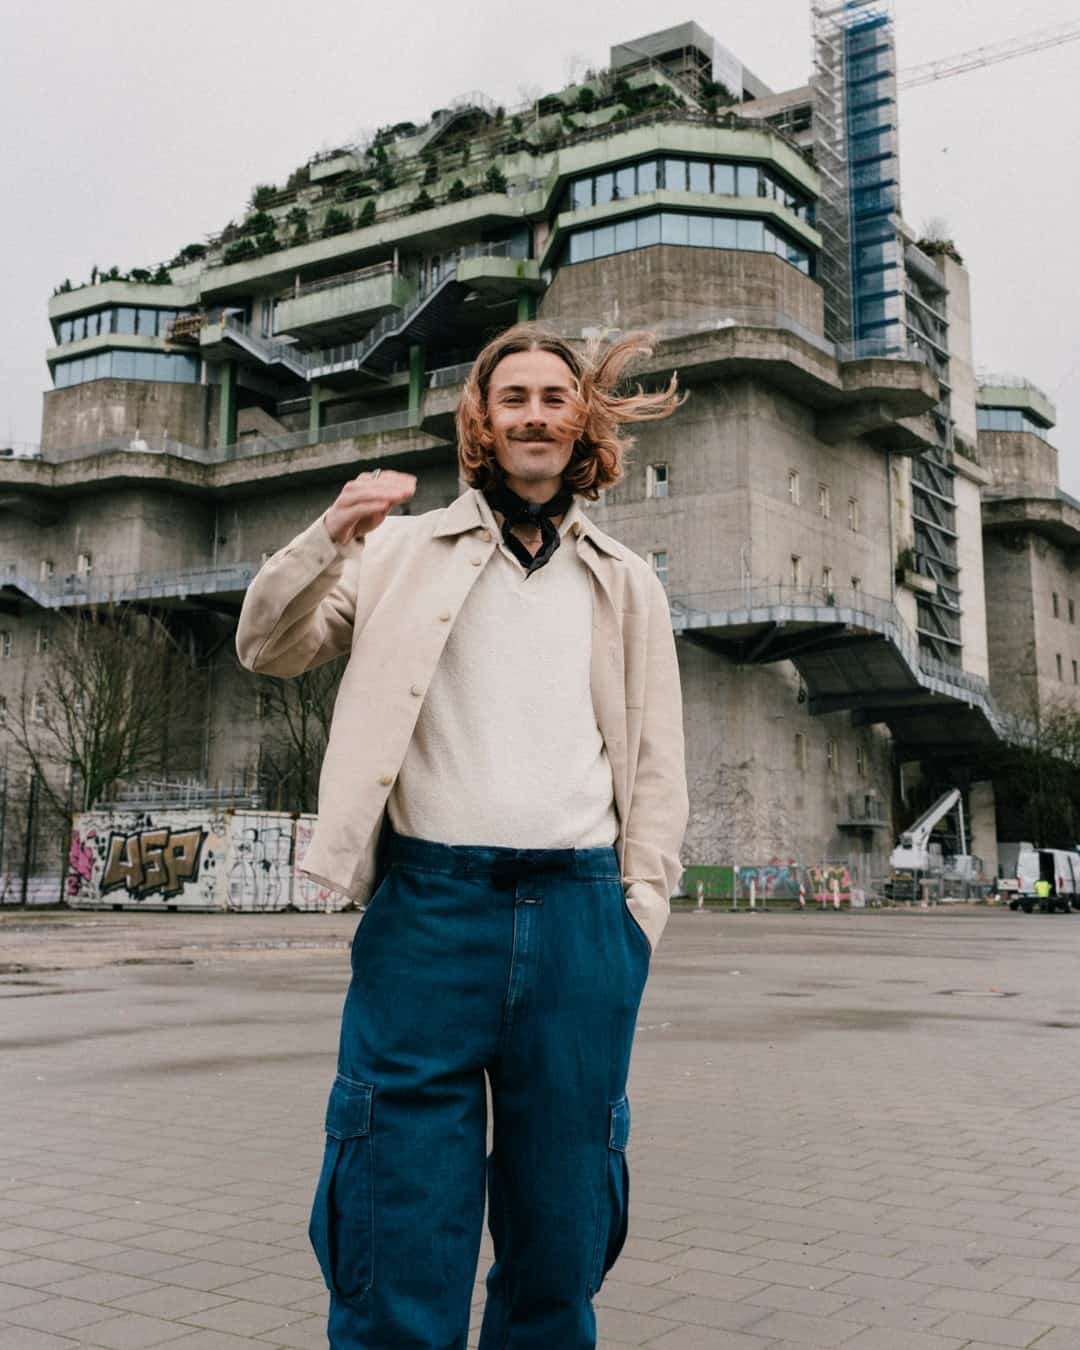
(595, 415)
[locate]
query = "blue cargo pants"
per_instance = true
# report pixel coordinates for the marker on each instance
(524, 965)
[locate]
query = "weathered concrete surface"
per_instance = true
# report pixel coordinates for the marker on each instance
(829, 1147)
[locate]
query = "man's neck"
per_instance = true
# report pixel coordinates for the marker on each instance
(530, 492)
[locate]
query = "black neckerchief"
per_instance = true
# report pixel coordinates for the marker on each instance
(516, 510)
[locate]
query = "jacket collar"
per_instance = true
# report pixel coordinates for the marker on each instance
(465, 514)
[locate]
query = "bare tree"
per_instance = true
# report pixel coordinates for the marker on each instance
(112, 698)
(1038, 769)
(297, 715)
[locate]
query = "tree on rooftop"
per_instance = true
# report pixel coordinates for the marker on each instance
(262, 195)
(495, 180)
(367, 213)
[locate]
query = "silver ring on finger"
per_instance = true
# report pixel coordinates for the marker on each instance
(375, 473)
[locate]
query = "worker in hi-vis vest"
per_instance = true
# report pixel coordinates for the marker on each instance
(1043, 890)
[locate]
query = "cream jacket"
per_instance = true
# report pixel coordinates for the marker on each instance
(388, 602)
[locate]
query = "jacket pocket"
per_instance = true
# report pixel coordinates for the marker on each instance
(342, 1228)
(614, 1216)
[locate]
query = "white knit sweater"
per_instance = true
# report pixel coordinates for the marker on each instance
(506, 751)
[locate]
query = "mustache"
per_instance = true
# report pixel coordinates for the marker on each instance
(535, 436)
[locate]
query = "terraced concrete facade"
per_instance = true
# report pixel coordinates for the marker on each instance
(776, 505)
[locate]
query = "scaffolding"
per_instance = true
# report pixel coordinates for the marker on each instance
(829, 123)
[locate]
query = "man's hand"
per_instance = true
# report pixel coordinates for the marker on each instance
(365, 502)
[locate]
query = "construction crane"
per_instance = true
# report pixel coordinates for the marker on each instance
(989, 55)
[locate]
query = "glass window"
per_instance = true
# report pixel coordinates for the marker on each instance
(62, 374)
(604, 188)
(673, 228)
(648, 230)
(675, 175)
(581, 246)
(581, 193)
(747, 180)
(701, 231)
(66, 327)
(145, 321)
(79, 327)
(624, 182)
(125, 319)
(770, 241)
(723, 232)
(165, 318)
(91, 325)
(625, 236)
(646, 176)
(724, 179)
(604, 237)
(750, 234)
(124, 365)
(699, 175)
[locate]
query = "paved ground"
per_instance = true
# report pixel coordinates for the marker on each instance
(849, 1130)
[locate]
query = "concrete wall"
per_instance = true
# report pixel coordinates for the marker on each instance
(969, 551)
(1020, 462)
(669, 283)
(1010, 618)
(101, 409)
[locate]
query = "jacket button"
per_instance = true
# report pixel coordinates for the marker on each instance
(485, 535)
(385, 780)
(444, 617)
(476, 561)
(416, 691)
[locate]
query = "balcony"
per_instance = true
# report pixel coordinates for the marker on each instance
(854, 652)
(340, 308)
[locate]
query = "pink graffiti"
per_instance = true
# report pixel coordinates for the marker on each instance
(81, 862)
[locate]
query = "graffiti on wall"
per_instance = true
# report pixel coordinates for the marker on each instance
(146, 857)
(820, 881)
(241, 860)
(152, 862)
(772, 880)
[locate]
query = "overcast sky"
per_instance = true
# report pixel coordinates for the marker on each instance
(133, 127)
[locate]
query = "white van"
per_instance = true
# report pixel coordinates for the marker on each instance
(1020, 866)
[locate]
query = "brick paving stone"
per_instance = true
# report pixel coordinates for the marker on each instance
(308, 1333)
(886, 1338)
(629, 1297)
(901, 1316)
(16, 1296)
(241, 1318)
(36, 1273)
(815, 1331)
(170, 1301)
(58, 1314)
(977, 1301)
(212, 1340)
(996, 1330)
(276, 1289)
(714, 1312)
(101, 1287)
(29, 1338)
(131, 1331)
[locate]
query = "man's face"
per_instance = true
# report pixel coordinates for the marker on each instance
(531, 416)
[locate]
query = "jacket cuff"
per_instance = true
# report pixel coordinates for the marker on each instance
(351, 548)
(649, 909)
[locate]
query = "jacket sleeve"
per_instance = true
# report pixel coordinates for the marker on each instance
(298, 611)
(659, 807)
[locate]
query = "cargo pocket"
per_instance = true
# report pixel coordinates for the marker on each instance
(342, 1228)
(615, 1204)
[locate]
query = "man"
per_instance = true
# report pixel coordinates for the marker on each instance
(504, 785)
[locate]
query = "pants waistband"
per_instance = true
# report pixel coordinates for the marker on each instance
(462, 860)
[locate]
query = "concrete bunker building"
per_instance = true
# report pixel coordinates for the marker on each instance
(816, 510)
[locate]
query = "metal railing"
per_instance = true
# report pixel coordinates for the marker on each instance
(354, 353)
(447, 376)
(126, 587)
(247, 448)
(747, 604)
(340, 279)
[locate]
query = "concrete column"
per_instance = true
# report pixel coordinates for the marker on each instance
(227, 410)
(983, 826)
(416, 383)
(315, 412)
(526, 306)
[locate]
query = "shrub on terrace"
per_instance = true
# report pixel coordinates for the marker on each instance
(335, 222)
